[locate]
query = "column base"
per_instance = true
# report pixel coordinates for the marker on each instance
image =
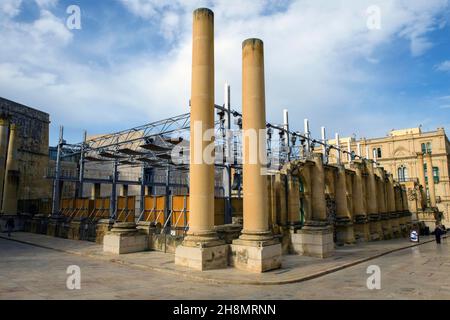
(55, 224)
(376, 231)
(313, 241)
(202, 251)
(202, 257)
(102, 228)
(345, 234)
(387, 229)
(256, 255)
(124, 238)
(362, 232)
(39, 224)
(77, 229)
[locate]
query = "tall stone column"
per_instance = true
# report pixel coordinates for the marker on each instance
(383, 205)
(361, 226)
(11, 175)
(4, 124)
(431, 188)
(376, 231)
(393, 215)
(316, 237)
(293, 201)
(201, 248)
(256, 250)
(344, 223)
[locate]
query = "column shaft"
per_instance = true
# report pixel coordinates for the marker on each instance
(201, 180)
(342, 209)
(254, 145)
(358, 194)
(371, 190)
(318, 203)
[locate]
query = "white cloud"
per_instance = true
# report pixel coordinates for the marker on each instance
(46, 3)
(313, 54)
(444, 66)
(10, 8)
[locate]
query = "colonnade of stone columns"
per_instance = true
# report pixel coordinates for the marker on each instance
(369, 205)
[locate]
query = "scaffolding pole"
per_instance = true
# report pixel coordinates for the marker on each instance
(56, 182)
(113, 204)
(81, 183)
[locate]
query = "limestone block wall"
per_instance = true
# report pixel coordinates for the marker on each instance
(32, 148)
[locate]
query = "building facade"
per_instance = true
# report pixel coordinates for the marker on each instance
(31, 129)
(404, 153)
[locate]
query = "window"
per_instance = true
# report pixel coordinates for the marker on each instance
(436, 174)
(402, 173)
(376, 152)
(426, 147)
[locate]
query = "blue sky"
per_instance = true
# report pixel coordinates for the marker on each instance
(130, 62)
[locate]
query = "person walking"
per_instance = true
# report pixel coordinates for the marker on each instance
(9, 226)
(438, 233)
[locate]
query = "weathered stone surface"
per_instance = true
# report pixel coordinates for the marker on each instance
(39, 224)
(362, 232)
(255, 258)
(202, 258)
(77, 229)
(313, 241)
(103, 226)
(117, 243)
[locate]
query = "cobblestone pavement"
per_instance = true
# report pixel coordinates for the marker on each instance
(30, 272)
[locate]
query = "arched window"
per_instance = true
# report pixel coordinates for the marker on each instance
(402, 173)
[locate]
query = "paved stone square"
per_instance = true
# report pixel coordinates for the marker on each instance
(38, 271)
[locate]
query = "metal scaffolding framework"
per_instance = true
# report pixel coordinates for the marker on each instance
(164, 145)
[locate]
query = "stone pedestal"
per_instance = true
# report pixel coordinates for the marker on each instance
(361, 229)
(55, 223)
(39, 224)
(103, 227)
(76, 229)
(386, 227)
(256, 256)
(376, 230)
(344, 231)
(403, 225)
(313, 241)
(124, 238)
(202, 257)
(394, 223)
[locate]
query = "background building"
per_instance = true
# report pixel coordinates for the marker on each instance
(32, 139)
(400, 154)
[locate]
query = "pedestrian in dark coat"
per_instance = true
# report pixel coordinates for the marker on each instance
(10, 226)
(438, 233)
